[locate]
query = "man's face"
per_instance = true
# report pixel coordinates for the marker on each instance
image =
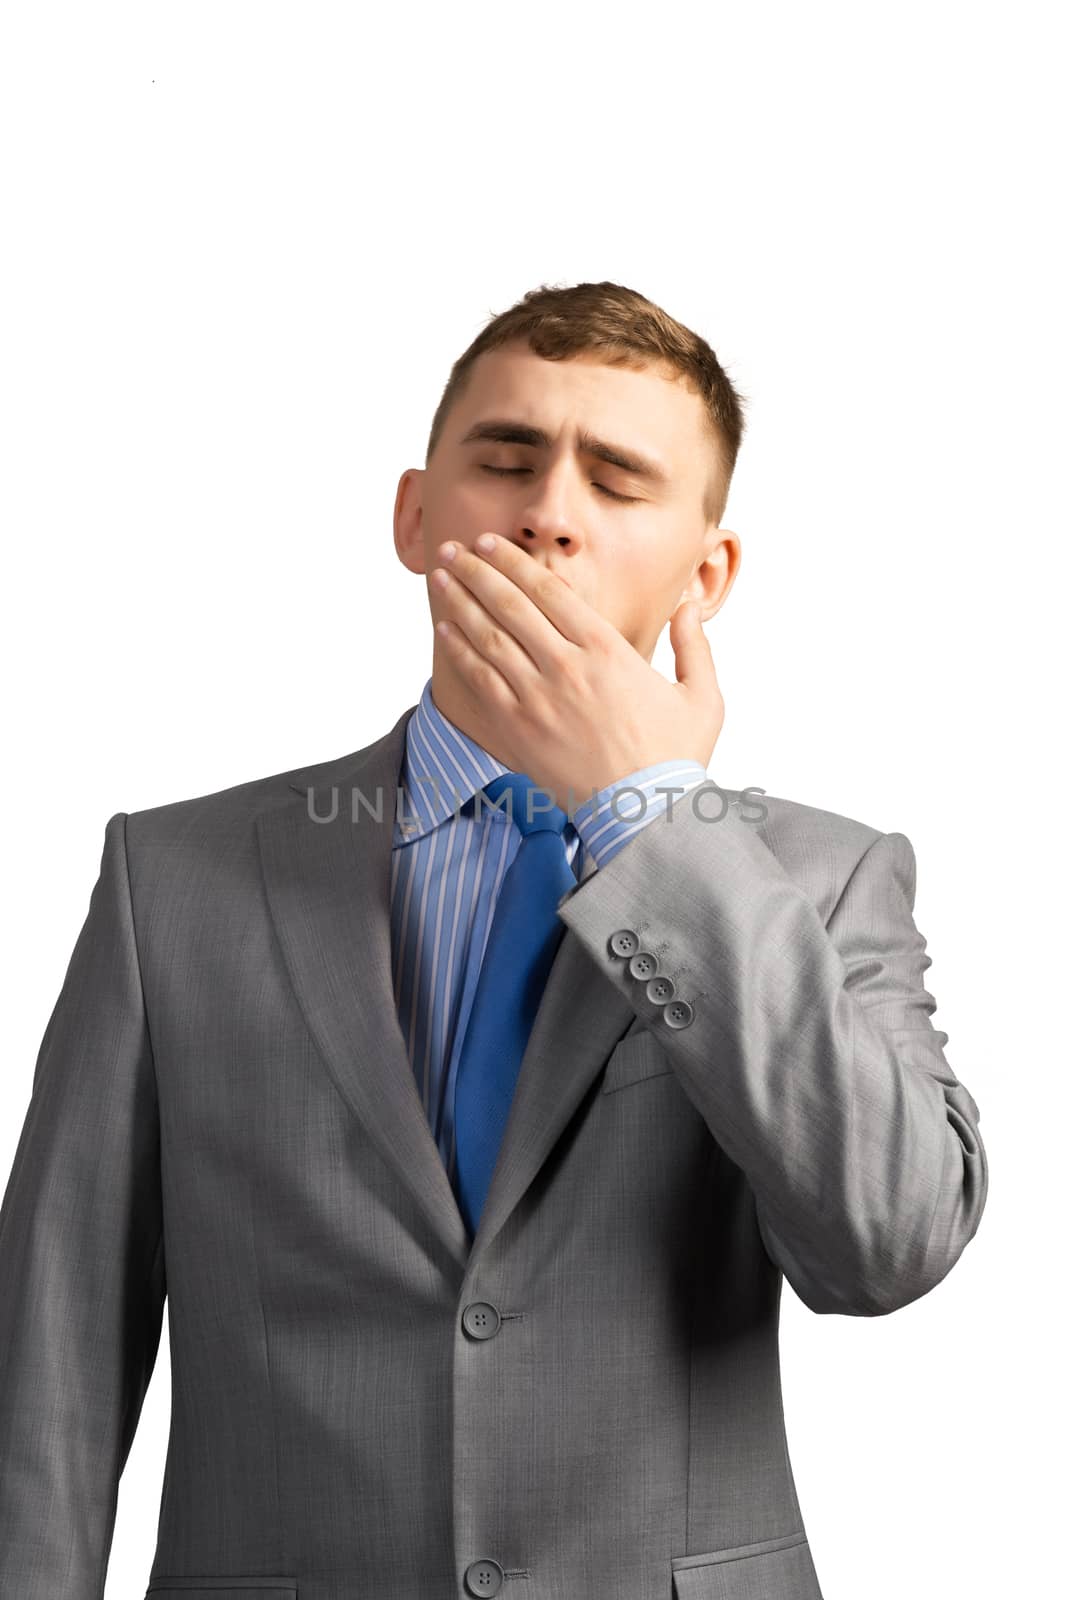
(630, 544)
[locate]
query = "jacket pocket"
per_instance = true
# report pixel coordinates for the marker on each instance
(774, 1569)
(635, 1058)
(254, 1587)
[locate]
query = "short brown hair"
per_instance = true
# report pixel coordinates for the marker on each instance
(624, 329)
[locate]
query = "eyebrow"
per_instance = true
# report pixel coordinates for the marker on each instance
(503, 430)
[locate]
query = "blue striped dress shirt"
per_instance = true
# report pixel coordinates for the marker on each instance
(445, 874)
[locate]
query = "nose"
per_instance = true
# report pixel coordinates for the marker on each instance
(535, 539)
(546, 517)
(551, 550)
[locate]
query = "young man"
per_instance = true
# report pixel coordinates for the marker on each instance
(471, 1094)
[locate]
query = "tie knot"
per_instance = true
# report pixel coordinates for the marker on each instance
(526, 804)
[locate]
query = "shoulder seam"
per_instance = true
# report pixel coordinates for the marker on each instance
(136, 947)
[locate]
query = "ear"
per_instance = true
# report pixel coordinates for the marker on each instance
(713, 577)
(408, 520)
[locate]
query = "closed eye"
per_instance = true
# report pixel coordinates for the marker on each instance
(628, 499)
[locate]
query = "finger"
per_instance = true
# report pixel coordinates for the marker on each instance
(481, 632)
(549, 610)
(484, 683)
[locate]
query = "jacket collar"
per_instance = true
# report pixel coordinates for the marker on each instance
(326, 859)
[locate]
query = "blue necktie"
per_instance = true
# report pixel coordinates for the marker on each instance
(523, 938)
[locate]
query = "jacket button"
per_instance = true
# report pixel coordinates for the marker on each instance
(483, 1577)
(624, 942)
(481, 1320)
(678, 1014)
(643, 965)
(659, 990)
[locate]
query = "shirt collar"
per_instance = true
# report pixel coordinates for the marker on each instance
(443, 767)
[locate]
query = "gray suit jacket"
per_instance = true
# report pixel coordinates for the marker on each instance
(733, 1076)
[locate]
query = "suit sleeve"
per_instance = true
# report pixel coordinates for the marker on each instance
(810, 1052)
(81, 1262)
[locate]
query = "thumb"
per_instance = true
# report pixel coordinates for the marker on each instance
(693, 655)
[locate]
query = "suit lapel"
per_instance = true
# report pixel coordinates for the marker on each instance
(327, 885)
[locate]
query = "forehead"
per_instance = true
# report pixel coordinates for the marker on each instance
(651, 408)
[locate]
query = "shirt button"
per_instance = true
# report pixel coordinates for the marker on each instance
(483, 1577)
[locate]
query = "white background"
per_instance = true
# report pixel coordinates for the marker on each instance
(243, 245)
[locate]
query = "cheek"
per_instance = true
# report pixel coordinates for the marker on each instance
(460, 506)
(478, 490)
(643, 592)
